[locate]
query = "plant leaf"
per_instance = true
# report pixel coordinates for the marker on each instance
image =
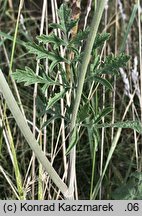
(74, 140)
(100, 39)
(103, 81)
(37, 50)
(66, 22)
(50, 120)
(81, 35)
(130, 190)
(28, 76)
(53, 64)
(41, 105)
(104, 112)
(113, 63)
(135, 125)
(43, 53)
(54, 99)
(50, 81)
(83, 112)
(95, 63)
(55, 26)
(53, 39)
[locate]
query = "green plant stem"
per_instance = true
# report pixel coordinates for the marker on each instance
(81, 77)
(21, 122)
(93, 171)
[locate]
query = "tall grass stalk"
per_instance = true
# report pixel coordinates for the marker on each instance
(21, 122)
(9, 133)
(10, 182)
(13, 51)
(35, 111)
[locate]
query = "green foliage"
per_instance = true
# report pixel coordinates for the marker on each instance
(135, 125)
(112, 64)
(52, 39)
(42, 53)
(100, 39)
(29, 77)
(66, 21)
(132, 190)
(83, 112)
(102, 114)
(82, 35)
(55, 59)
(103, 81)
(56, 98)
(39, 51)
(48, 47)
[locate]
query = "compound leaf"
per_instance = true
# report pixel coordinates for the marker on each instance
(113, 63)
(53, 39)
(28, 76)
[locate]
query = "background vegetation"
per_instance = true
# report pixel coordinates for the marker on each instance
(21, 175)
